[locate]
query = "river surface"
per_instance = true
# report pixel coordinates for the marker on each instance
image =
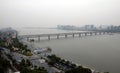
(101, 52)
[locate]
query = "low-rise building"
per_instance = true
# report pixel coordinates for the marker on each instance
(43, 51)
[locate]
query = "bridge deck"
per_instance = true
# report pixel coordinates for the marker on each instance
(43, 35)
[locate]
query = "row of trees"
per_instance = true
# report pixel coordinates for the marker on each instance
(27, 67)
(79, 69)
(21, 47)
(66, 66)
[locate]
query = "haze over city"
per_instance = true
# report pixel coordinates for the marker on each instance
(49, 13)
(59, 36)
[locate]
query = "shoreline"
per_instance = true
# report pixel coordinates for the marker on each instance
(30, 44)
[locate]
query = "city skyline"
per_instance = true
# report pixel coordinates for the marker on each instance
(50, 13)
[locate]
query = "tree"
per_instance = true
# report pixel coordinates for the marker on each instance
(79, 70)
(22, 62)
(28, 62)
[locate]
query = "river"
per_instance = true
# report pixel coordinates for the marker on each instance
(101, 52)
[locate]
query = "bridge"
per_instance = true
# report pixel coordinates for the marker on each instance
(66, 35)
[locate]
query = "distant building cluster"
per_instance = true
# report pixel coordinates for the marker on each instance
(66, 27)
(90, 28)
(7, 34)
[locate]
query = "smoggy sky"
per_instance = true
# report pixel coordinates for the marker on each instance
(49, 13)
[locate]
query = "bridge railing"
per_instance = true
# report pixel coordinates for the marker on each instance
(63, 34)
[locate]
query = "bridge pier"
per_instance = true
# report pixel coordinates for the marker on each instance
(107, 32)
(95, 33)
(79, 34)
(27, 38)
(48, 37)
(91, 33)
(65, 35)
(73, 35)
(38, 38)
(103, 33)
(57, 36)
(85, 34)
(99, 33)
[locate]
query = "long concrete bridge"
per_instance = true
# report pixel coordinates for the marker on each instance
(66, 35)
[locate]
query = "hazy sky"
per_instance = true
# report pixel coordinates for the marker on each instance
(49, 13)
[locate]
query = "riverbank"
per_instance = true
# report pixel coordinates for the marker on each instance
(31, 44)
(96, 52)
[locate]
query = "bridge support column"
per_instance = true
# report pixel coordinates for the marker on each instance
(95, 33)
(65, 35)
(79, 34)
(73, 35)
(99, 33)
(91, 33)
(107, 32)
(110, 32)
(103, 32)
(27, 38)
(85, 34)
(58, 36)
(38, 38)
(48, 37)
